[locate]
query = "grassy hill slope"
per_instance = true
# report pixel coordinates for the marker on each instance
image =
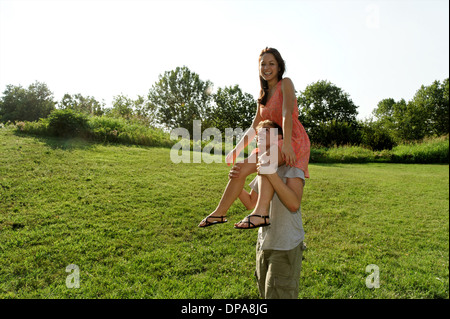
(127, 217)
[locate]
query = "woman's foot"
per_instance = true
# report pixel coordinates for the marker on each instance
(212, 220)
(253, 221)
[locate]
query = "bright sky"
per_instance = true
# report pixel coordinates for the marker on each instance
(371, 49)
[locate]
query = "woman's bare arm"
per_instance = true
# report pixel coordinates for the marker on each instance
(289, 99)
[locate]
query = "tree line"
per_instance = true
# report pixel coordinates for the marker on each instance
(180, 96)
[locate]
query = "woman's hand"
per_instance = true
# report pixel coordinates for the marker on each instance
(234, 172)
(287, 152)
(231, 157)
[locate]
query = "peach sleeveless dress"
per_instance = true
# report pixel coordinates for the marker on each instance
(300, 140)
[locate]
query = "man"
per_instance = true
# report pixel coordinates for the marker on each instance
(280, 246)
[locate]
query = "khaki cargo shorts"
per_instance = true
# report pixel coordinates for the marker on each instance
(278, 272)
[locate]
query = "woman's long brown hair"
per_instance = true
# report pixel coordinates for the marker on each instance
(264, 85)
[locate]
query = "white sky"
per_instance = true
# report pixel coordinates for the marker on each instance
(371, 49)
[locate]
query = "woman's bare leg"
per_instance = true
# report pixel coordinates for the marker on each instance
(265, 195)
(234, 187)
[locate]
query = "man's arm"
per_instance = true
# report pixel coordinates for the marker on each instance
(289, 193)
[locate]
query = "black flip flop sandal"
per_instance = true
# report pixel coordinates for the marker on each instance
(251, 225)
(208, 223)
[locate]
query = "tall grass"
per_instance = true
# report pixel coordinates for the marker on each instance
(429, 151)
(342, 154)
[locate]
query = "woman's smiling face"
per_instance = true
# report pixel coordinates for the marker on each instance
(268, 67)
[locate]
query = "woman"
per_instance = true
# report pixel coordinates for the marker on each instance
(277, 102)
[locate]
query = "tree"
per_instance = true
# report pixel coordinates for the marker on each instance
(432, 102)
(390, 116)
(77, 102)
(122, 106)
(20, 104)
(385, 110)
(323, 101)
(232, 109)
(180, 97)
(326, 109)
(426, 114)
(136, 110)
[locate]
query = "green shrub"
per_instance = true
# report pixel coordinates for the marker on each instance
(335, 133)
(108, 123)
(67, 123)
(38, 127)
(376, 137)
(103, 129)
(119, 130)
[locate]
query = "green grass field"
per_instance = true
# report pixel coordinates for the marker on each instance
(127, 217)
